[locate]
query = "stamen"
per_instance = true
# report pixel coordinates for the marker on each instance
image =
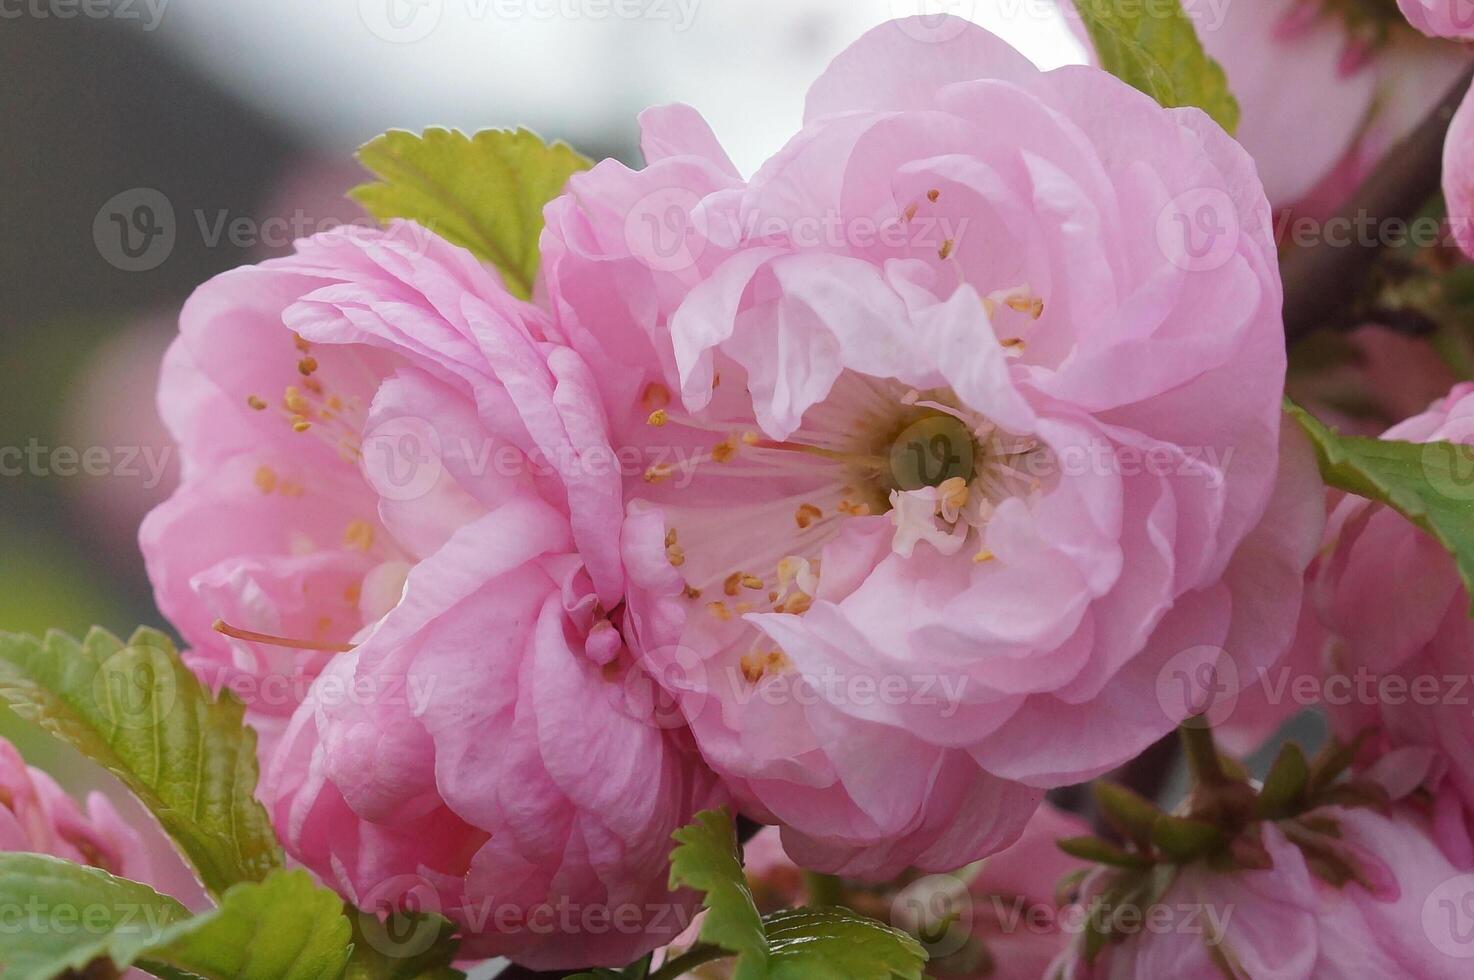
(806, 515)
(221, 626)
(265, 479)
(257, 403)
(946, 249)
(307, 366)
(933, 194)
(658, 418)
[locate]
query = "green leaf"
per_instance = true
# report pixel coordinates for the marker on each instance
(1155, 48)
(836, 944)
(706, 859)
(139, 712)
(1431, 484)
(284, 928)
(402, 947)
(795, 944)
(484, 192)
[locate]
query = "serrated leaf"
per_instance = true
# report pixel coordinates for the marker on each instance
(795, 944)
(706, 860)
(1155, 48)
(484, 192)
(402, 947)
(284, 928)
(1285, 785)
(836, 944)
(1183, 839)
(1429, 483)
(1099, 851)
(1131, 814)
(139, 712)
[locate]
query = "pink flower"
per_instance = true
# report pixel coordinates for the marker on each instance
(1325, 90)
(1394, 643)
(38, 817)
(1440, 18)
(1458, 174)
(1014, 916)
(1351, 894)
(917, 565)
(394, 477)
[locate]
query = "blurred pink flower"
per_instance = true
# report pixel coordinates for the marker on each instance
(394, 484)
(1351, 894)
(915, 567)
(1392, 645)
(1325, 90)
(37, 816)
(1440, 18)
(1458, 174)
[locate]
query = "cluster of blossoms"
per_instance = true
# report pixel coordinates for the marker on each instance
(894, 563)
(932, 467)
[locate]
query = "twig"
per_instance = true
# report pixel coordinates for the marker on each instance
(1322, 280)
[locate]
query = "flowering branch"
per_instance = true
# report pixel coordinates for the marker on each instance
(1322, 280)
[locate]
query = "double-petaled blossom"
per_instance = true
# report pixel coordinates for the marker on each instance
(398, 491)
(1388, 641)
(37, 816)
(965, 413)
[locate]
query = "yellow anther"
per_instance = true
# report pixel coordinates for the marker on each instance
(984, 555)
(359, 535)
(307, 366)
(946, 249)
(265, 479)
(299, 424)
(723, 451)
(658, 418)
(933, 194)
(719, 610)
(806, 515)
(910, 212)
(256, 403)
(1032, 305)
